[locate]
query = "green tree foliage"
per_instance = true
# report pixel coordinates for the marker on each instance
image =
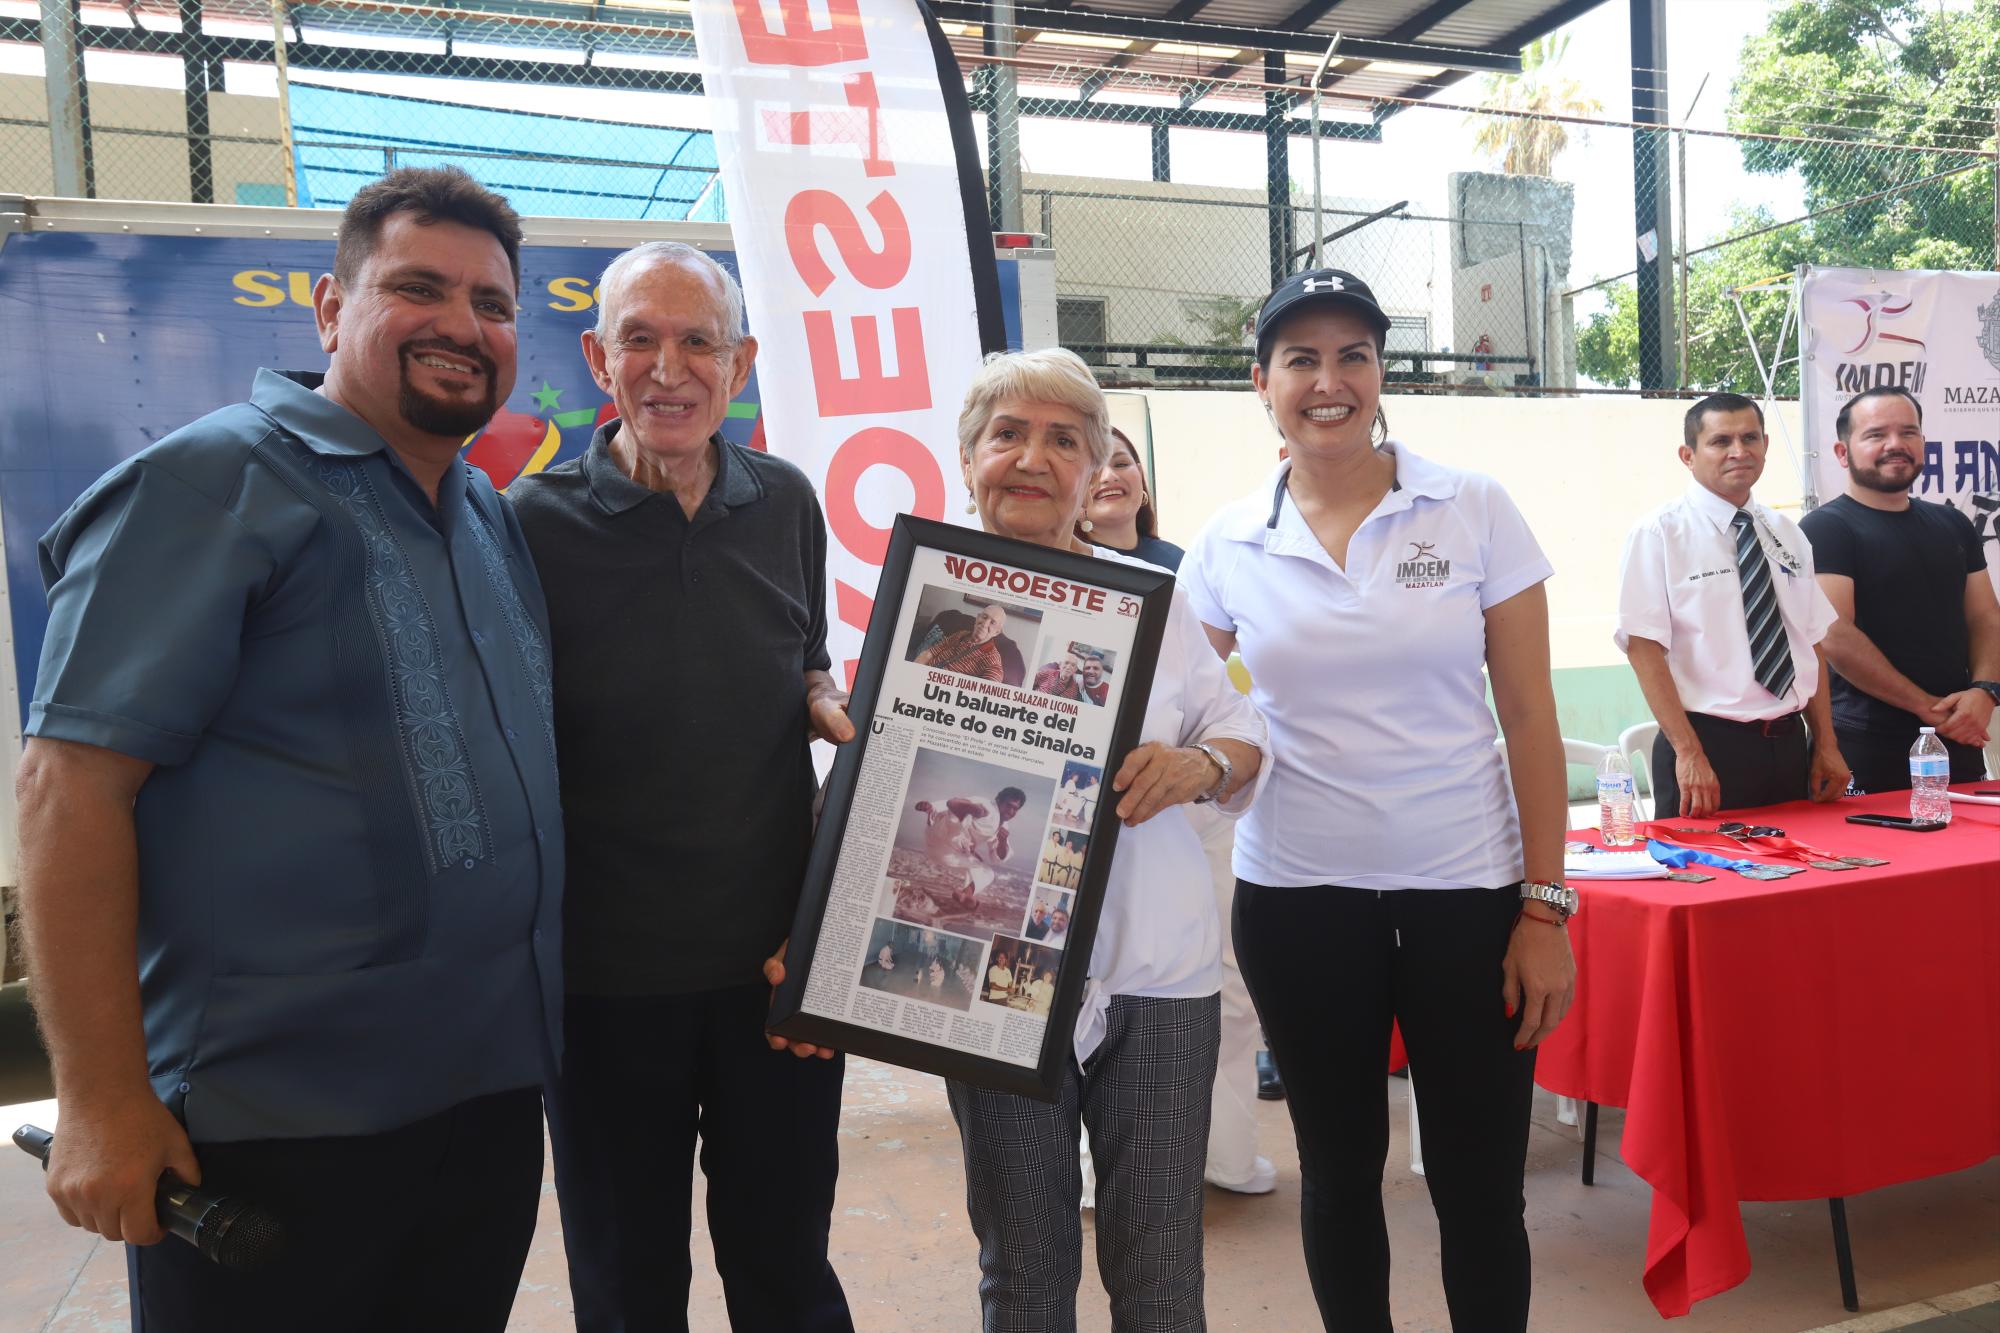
(1880, 72)
(1867, 75)
(1607, 347)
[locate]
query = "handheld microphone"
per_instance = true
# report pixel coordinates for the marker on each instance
(231, 1232)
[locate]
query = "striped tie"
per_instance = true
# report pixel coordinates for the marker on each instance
(1770, 654)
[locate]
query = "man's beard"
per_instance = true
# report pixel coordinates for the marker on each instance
(1874, 480)
(434, 416)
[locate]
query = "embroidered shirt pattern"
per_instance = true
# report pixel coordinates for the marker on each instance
(434, 750)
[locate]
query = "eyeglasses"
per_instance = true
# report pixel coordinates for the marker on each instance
(1739, 830)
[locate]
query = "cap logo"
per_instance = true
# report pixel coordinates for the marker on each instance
(1312, 285)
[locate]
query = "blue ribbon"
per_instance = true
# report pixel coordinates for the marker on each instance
(1675, 857)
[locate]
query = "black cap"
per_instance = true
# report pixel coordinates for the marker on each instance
(1317, 286)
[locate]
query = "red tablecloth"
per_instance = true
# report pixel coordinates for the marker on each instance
(1802, 1038)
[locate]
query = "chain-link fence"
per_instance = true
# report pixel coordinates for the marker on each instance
(1719, 304)
(1167, 282)
(234, 101)
(1174, 183)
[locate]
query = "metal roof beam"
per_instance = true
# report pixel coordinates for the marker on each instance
(1194, 92)
(326, 56)
(1063, 108)
(1407, 31)
(1256, 40)
(1300, 19)
(1424, 20)
(1540, 26)
(1180, 13)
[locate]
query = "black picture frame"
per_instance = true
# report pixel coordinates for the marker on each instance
(1153, 590)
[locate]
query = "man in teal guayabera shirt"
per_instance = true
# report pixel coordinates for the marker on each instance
(291, 839)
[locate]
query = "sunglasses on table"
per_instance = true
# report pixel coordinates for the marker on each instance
(1740, 830)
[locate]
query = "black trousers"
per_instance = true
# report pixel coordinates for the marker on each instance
(1881, 760)
(641, 1078)
(1328, 968)
(421, 1228)
(1756, 763)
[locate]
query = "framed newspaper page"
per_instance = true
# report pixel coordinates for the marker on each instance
(959, 865)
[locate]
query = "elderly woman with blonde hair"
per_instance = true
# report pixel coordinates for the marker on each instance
(1033, 436)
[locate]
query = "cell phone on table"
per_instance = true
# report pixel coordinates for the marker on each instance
(1897, 821)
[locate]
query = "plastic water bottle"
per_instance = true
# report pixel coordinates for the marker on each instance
(1930, 774)
(1617, 803)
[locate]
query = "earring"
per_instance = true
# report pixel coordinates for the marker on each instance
(970, 507)
(1087, 525)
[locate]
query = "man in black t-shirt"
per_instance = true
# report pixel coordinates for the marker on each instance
(1918, 639)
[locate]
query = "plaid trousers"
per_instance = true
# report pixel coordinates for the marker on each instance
(1145, 1098)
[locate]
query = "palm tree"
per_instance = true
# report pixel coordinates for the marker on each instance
(1528, 142)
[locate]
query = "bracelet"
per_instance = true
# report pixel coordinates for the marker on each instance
(1224, 770)
(1525, 914)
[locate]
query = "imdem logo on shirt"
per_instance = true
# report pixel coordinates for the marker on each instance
(1423, 568)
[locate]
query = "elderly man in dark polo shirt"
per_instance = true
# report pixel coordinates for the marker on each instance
(291, 839)
(686, 584)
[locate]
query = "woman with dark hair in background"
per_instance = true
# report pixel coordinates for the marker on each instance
(1118, 512)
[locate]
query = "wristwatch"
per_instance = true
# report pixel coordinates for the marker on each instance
(1559, 896)
(1221, 761)
(1992, 687)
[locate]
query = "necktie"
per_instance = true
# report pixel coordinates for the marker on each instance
(1770, 654)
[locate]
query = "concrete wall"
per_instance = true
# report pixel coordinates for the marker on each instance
(1159, 252)
(151, 162)
(1149, 261)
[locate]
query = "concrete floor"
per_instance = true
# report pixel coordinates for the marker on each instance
(903, 1250)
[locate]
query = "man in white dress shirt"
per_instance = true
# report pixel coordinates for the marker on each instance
(1722, 620)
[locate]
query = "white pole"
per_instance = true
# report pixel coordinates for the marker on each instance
(284, 105)
(1319, 76)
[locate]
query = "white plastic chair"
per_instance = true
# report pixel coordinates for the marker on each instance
(1636, 744)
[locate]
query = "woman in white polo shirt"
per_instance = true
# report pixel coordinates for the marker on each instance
(1384, 873)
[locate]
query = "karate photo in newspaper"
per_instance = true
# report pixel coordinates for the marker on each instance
(959, 865)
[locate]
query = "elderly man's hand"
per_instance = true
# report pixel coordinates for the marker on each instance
(774, 972)
(826, 709)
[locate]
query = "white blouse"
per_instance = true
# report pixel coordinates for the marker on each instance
(1159, 935)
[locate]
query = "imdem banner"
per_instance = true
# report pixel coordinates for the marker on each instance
(1935, 334)
(867, 263)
